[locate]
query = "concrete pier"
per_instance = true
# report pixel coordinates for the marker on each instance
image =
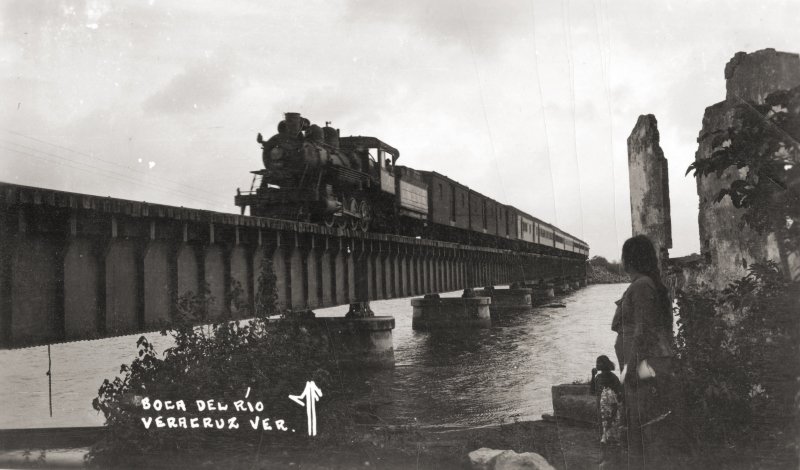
(517, 299)
(434, 312)
(354, 342)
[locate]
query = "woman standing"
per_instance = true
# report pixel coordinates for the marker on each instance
(643, 322)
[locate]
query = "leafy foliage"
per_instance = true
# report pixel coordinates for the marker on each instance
(737, 352)
(763, 144)
(219, 361)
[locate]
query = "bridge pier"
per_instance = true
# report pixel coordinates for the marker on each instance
(507, 300)
(123, 295)
(313, 269)
(159, 285)
(82, 275)
(242, 266)
(328, 273)
(379, 273)
(432, 312)
(405, 289)
(35, 288)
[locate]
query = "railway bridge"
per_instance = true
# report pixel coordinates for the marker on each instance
(77, 266)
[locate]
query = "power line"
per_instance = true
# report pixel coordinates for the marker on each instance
(65, 162)
(543, 110)
(567, 22)
(110, 162)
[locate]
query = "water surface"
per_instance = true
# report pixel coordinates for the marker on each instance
(464, 378)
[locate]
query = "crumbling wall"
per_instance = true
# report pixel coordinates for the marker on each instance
(727, 246)
(649, 186)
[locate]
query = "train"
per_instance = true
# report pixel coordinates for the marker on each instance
(312, 174)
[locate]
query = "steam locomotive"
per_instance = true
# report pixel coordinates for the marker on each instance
(312, 174)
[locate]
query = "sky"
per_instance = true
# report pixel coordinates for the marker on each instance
(529, 102)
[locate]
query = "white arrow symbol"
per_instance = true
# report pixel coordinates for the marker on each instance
(311, 393)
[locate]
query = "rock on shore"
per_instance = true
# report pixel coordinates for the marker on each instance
(492, 459)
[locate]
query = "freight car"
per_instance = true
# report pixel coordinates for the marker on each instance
(312, 174)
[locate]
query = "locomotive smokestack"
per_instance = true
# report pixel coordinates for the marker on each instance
(294, 124)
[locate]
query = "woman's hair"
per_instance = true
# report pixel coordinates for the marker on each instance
(604, 364)
(639, 253)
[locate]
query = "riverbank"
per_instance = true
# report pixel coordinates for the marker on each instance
(563, 445)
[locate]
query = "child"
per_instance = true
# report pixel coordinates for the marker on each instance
(606, 385)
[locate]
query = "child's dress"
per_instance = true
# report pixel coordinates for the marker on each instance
(607, 385)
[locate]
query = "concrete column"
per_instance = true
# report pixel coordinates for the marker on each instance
(430, 256)
(298, 276)
(351, 272)
(439, 265)
(83, 290)
(35, 289)
(214, 274)
(379, 271)
(414, 271)
(451, 282)
(404, 289)
(281, 265)
(370, 256)
(313, 269)
(328, 274)
(359, 301)
(393, 273)
(421, 270)
(160, 276)
(242, 280)
(341, 268)
(122, 286)
(188, 270)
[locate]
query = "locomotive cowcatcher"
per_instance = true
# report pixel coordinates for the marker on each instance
(312, 175)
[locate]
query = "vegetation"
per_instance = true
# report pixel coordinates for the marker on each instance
(738, 347)
(220, 362)
(738, 351)
(763, 145)
(601, 271)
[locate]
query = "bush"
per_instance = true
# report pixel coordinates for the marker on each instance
(219, 362)
(737, 352)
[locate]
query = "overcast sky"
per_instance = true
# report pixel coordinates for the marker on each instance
(529, 102)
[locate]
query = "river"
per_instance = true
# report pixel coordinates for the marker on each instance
(474, 378)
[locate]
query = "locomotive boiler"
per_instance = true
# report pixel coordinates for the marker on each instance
(311, 174)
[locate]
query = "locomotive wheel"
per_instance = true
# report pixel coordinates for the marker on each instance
(366, 215)
(354, 209)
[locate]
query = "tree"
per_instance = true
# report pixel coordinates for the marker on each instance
(763, 143)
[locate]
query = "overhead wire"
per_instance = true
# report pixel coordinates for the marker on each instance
(104, 172)
(483, 102)
(543, 110)
(110, 162)
(604, 45)
(567, 23)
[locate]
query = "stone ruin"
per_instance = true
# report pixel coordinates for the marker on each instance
(726, 247)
